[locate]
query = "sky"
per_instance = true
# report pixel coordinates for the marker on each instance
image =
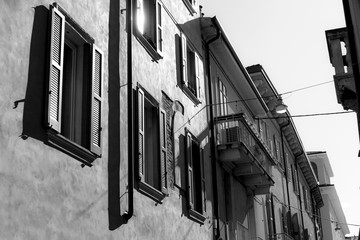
(288, 39)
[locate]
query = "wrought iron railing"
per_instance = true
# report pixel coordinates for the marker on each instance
(236, 128)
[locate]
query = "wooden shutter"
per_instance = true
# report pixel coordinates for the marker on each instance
(141, 136)
(96, 100)
(190, 172)
(184, 59)
(163, 151)
(288, 167)
(159, 28)
(140, 16)
(57, 40)
(203, 190)
(198, 74)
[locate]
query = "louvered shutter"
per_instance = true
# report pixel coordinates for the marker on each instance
(140, 16)
(190, 176)
(159, 31)
(56, 69)
(184, 59)
(141, 137)
(199, 75)
(203, 190)
(96, 100)
(163, 151)
(270, 216)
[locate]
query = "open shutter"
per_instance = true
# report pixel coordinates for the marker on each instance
(140, 16)
(195, 4)
(141, 134)
(56, 69)
(203, 192)
(198, 73)
(159, 40)
(190, 172)
(270, 216)
(184, 59)
(163, 151)
(96, 100)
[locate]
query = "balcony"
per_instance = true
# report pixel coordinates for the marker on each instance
(243, 153)
(340, 57)
(281, 236)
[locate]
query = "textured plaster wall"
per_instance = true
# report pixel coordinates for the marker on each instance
(44, 193)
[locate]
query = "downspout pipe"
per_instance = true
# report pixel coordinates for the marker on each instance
(129, 28)
(212, 132)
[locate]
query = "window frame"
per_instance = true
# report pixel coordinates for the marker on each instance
(192, 185)
(198, 67)
(156, 22)
(59, 19)
(143, 186)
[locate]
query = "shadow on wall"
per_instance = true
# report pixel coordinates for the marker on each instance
(34, 107)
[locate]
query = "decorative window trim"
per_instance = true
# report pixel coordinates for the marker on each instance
(59, 19)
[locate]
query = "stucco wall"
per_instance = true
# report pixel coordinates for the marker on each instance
(44, 193)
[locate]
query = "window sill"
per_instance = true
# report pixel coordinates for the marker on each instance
(151, 192)
(196, 216)
(74, 150)
(189, 7)
(155, 55)
(190, 95)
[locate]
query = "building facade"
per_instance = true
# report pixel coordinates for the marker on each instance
(333, 220)
(137, 120)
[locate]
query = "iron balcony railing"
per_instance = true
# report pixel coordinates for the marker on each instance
(237, 128)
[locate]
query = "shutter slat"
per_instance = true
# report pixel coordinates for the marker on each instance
(96, 100)
(56, 69)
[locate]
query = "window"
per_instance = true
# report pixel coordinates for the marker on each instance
(192, 70)
(152, 146)
(288, 167)
(223, 99)
(74, 89)
(149, 26)
(192, 5)
(196, 197)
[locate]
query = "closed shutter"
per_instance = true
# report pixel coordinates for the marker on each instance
(141, 136)
(56, 69)
(96, 100)
(199, 75)
(184, 59)
(190, 172)
(163, 151)
(159, 31)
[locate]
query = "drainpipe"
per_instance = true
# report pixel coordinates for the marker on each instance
(286, 169)
(129, 28)
(212, 133)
